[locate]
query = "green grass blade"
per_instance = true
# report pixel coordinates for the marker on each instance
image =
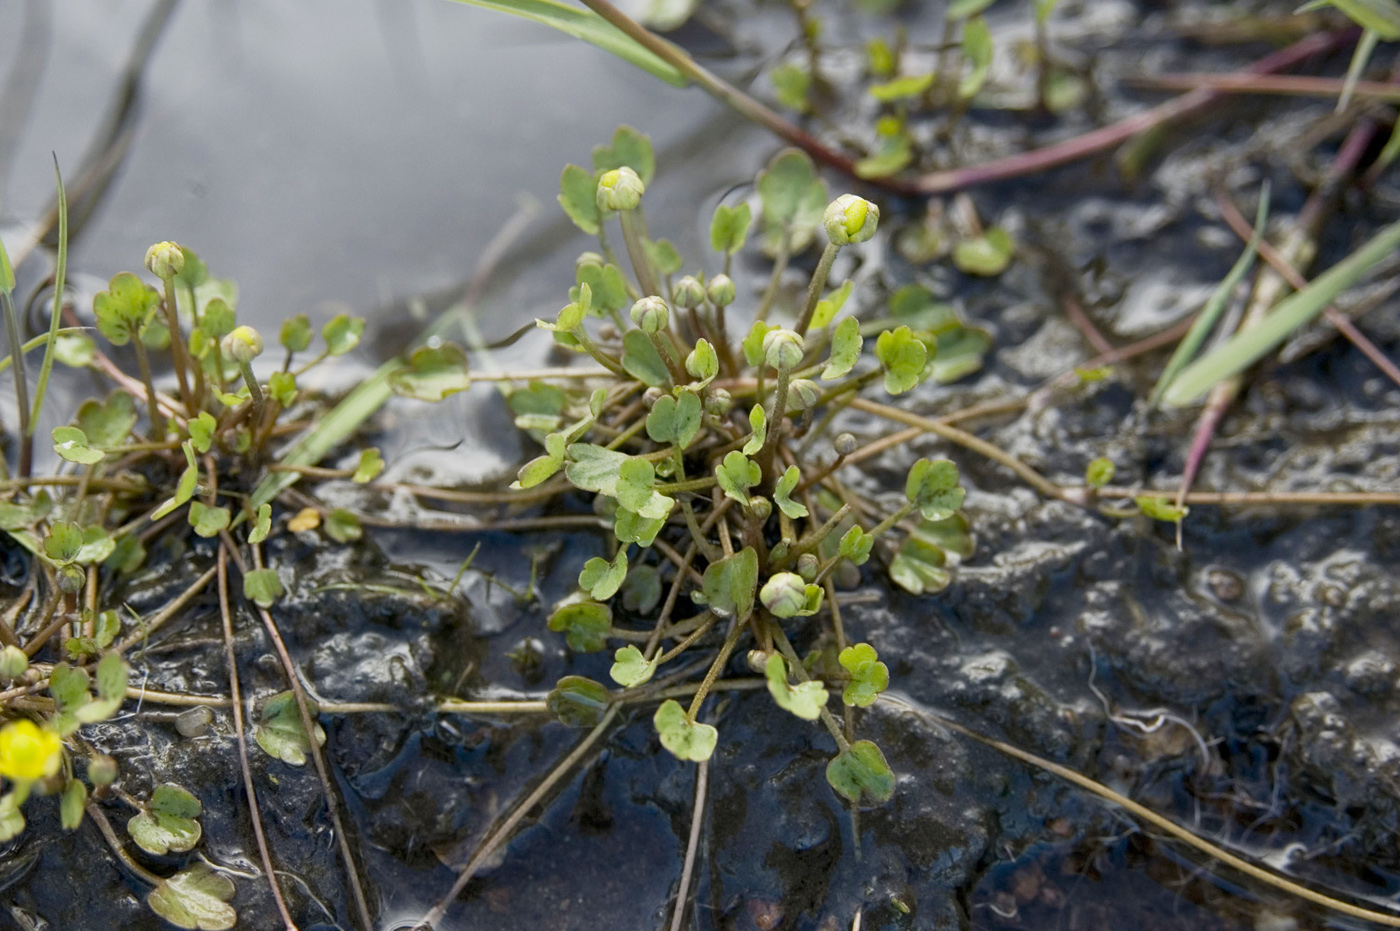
(1247, 347)
(1186, 349)
(591, 28)
(60, 271)
(330, 431)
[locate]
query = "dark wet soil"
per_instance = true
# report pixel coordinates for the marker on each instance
(1245, 684)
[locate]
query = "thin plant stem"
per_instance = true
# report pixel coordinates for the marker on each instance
(60, 276)
(636, 251)
(104, 827)
(815, 287)
(309, 725)
(697, 820)
(177, 345)
(236, 703)
(1389, 919)
(717, 667)
(434, 917)
(26, 441)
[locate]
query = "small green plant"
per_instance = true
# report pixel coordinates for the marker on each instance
(704, 447)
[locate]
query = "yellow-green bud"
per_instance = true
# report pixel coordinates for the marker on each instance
(758, 661)
(783, 350)
(102, 769)
(165, 260)
(807, 566)
(802, 394)
(850, 219)
(587, 258)
(13, 663)
(718, 402)
(689, 292)
(620, 189)
(761, 508)
(845, 444)
(721, 291)
(242, 345)
(784, 594)
(71, 579)
(651, 396)
(651, 314)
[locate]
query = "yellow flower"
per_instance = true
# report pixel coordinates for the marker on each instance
(28, 753)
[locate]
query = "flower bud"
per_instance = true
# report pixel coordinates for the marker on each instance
(165, 260)
(850, 219)
(761, 508)
(651, 396)
(586, 259)
(784, 594)
(71, 579)
(803, 393)
(718, 402)
(620, 189)
(242, 345)
(807, 565)
(845, 444)
(13, 662)
(758, 661)
(783, 349)
(651, 314)
(101, 770)
(689, 292)
(721, 291)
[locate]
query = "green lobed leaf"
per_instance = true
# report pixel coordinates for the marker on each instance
(585, 625)
(933, 486)
(793, 196)
(806, 699)
(861, 775)
(107, 423)
(641, 360)
(432, 373)
(856, 545)
(685, 739)
(195, 899)
(295, 333)
(262, 524)
(1161, 509)
(629, 148)
(608, 287)
(869, 676)
(280, 731)
(977, 49)
(343, 526)
(828, 307)
(737, 474)
(11, 818)
(903, 356)
(208, 521)
(918, 567)
(576, 701)
(111, 690)
(630, 527)
(730, 584)
(630, 668)
(70, 809)
(369, 467)
(342, 333)
(578, 197)
(752, 345)
(601, 578)
(71, 444)
(202, 431)
(663, 256)
(986, 255)
(902, 88)
(782, 494)
(283, 388)
(1099, 472)
(845, 349)
(675, 420)
(123, 309)
(169, 823)
(729, 228)
(594, 468)
(64, 541)
(758, 431)
(262, 587)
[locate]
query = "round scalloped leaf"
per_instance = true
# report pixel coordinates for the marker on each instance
(685, 739)
(585, 625)
(630, 668)
(861, 775)
(280, 731)
(869, 676)
(195, 899)
(933, 486)
(577, 701)
(169, 822)
(601, 578)
(432, 373)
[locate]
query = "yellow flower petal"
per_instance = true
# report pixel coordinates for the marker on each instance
(28, 753)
